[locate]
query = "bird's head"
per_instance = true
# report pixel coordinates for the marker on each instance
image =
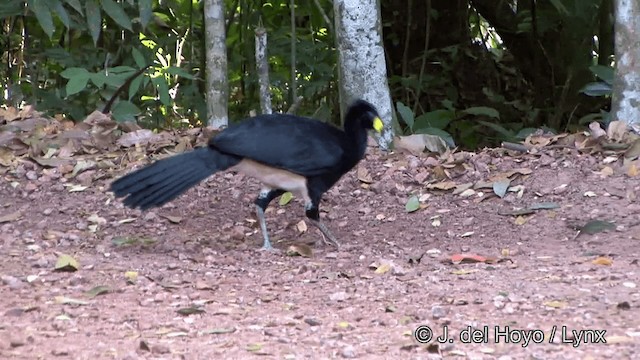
(365, 114)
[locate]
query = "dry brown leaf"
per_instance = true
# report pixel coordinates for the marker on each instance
(363, 175)
(602, 260)
(172, 218)
(10, 217)
(596, 131)
(303, 250)
(617, 130)
(138, 137)
(443, 185)
(302, 226)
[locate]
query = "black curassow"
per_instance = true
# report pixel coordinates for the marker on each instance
(285, 152)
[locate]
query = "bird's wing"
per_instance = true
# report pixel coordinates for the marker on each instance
(303, 146)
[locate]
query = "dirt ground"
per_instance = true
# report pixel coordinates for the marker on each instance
(188, 281)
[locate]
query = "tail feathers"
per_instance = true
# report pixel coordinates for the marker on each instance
(166, 179)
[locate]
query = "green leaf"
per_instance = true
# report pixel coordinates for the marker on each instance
(596, 226)
(560, 7)
(438, 119)
(483, 111)
(145, 12)
(190, 310)
(59, 9)
(99, 79)
(72, 72)
(115, 11)
(605, 73)
(406, 114)
(508, 134)
(596, 89)
(94, 19)
(501, 186)
(66, 263)
(285, 198)
(41, 9)
(125, 111)
(438, 132)
(76, 84)
(11, 8)
(138, 57)
(75, 4)
(544, 206)
(413, 204)
(173, 70)
(98, 290)
(163, 90)
(134, 86)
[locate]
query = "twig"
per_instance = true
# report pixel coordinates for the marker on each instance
(296, 104)
(324, 16)
(515, 147)
(427, 30)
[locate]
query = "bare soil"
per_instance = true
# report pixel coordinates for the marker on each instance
(188, 281)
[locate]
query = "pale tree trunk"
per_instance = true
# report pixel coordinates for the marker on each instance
(362, 67)
(626, 85)
(216, 55)
(262, 66)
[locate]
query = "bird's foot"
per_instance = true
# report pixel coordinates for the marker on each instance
(327, 236)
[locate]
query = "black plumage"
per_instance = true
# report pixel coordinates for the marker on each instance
(285, 152)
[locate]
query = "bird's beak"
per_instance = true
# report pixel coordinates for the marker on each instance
(378, 125)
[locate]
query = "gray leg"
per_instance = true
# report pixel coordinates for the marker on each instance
(263, 200)
(312, 212)
(266, 245)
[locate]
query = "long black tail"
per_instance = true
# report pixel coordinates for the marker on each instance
(162, 181)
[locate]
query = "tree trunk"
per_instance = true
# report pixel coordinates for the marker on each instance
(362, 69)
(216, 54)
(626, 86)
(262, 66)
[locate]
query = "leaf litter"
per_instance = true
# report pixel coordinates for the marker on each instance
(255, 303)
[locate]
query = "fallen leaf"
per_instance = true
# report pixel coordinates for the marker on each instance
(190, 310)
(98, 290)
(520, 220)
(299, 250)
(301, 226)
(602, 260)
(285, 198)
(97, 219)
(70, 301)
(172, 218)
(66, 263)
(412, 205)
(218, 331)
(556, 304)
(138, 137)
(500, 187)
(363, 175)
(464, 271)
(616, 130)
(467, 258)
(131, 277)
(596, 130)
(384, 268)
(443, 185)
(596, 226)
(10, 217)
(255, 347)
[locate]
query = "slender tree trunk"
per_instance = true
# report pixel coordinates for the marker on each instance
(626, 86)
(362, 67)
(216, 54)
(262, 66)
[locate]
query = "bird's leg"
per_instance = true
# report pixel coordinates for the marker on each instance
(263, 200)
(312, 212)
